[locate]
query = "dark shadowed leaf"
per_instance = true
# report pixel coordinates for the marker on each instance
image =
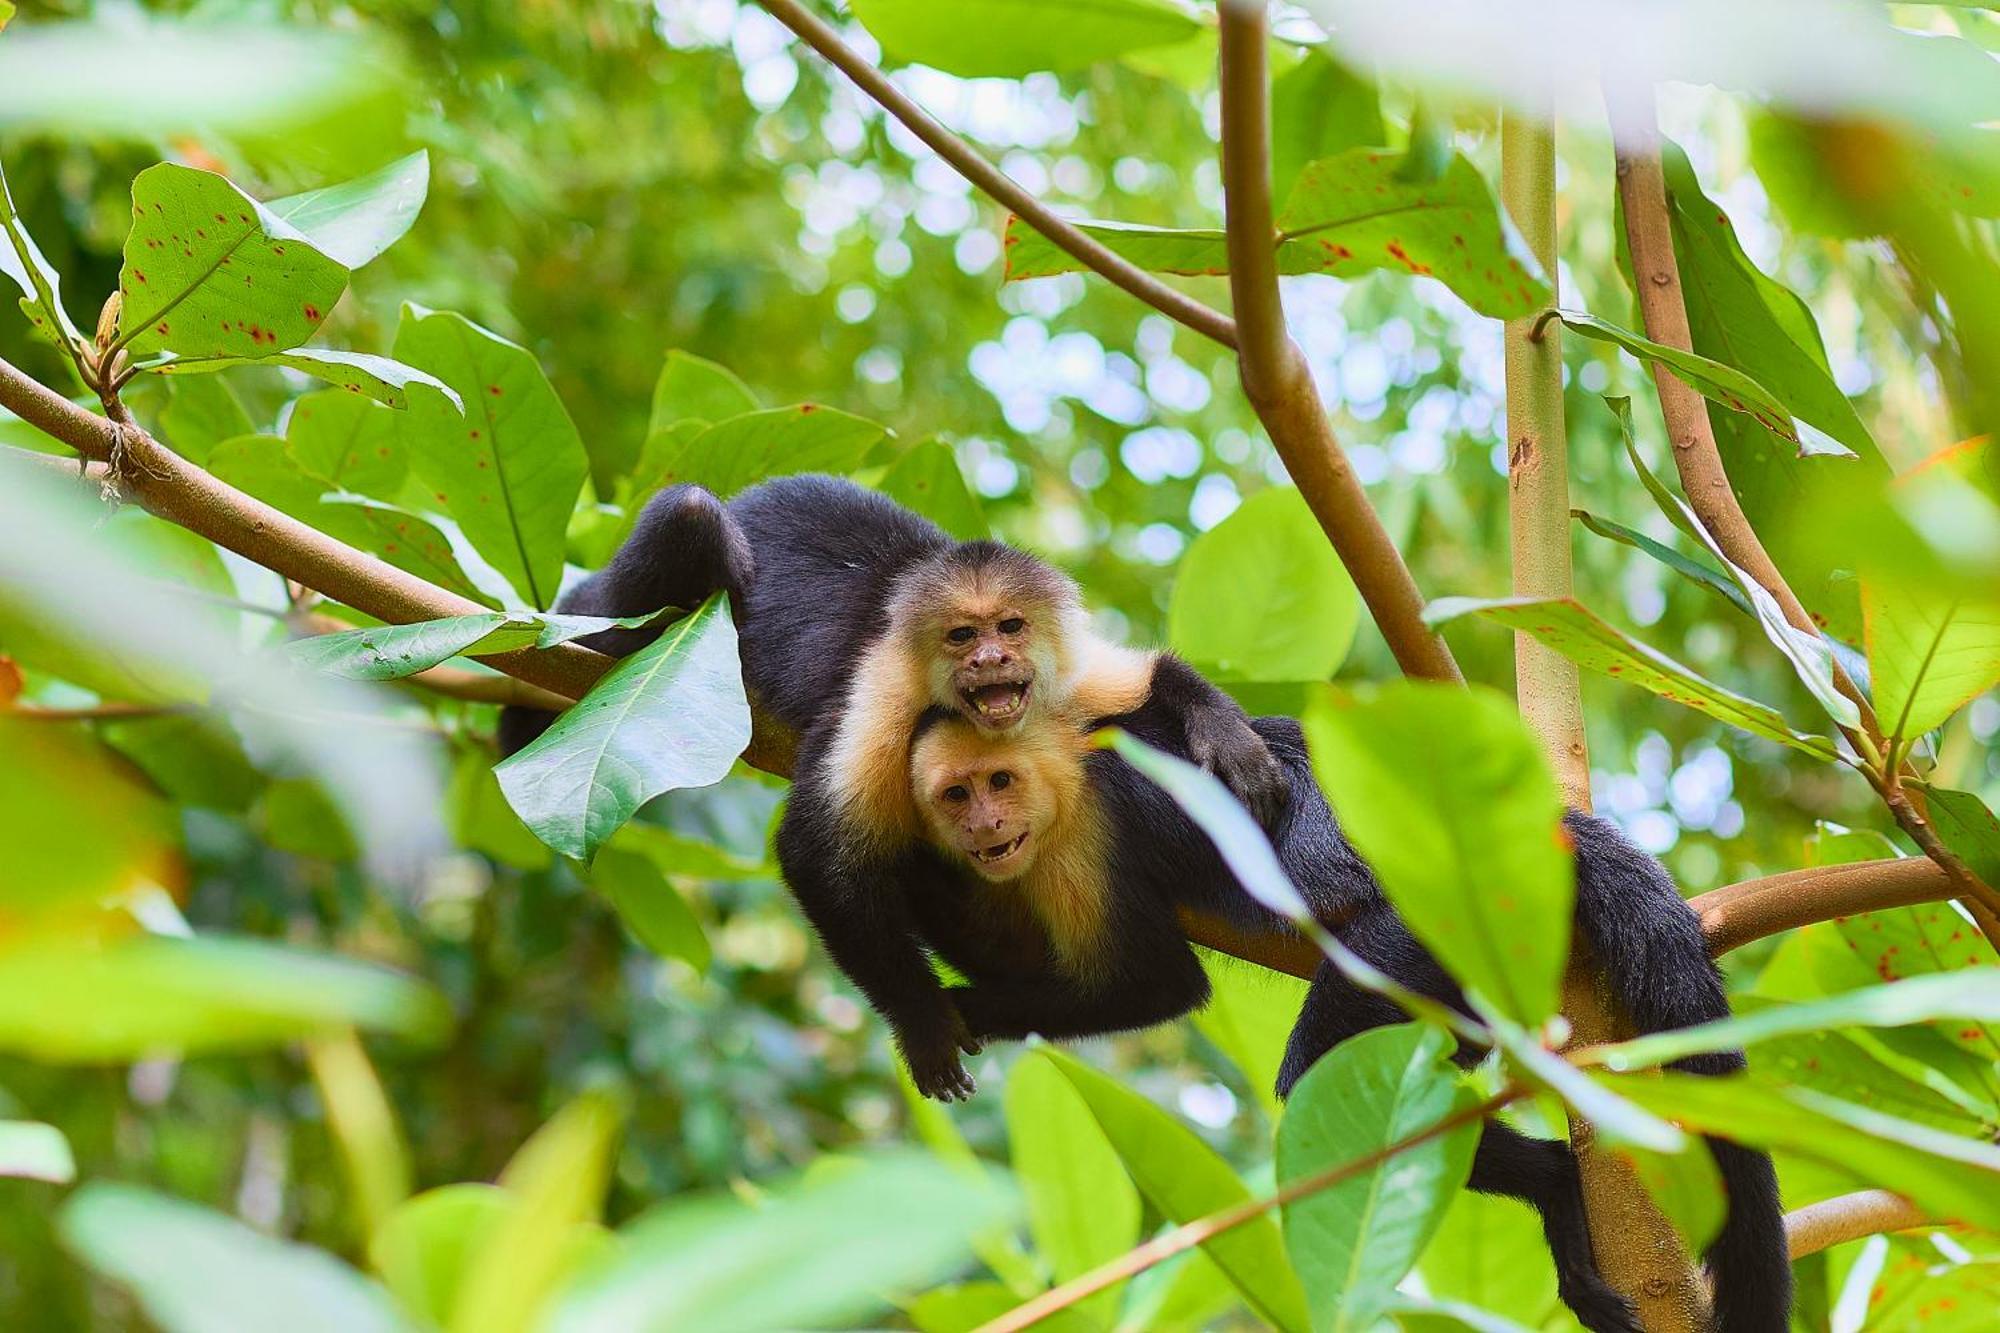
(1301, 624)
(1694, 571)
(209, 271)
(75, 1002)
(1082, 1208)
(650, 906)
(671, 715)
(1319, 109)
(1353, 1241)
(357, 220)
(1012, 37)
(1184, 1179)
(1466, 844)
(508, 469)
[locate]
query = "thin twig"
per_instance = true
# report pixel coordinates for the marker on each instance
(967, 161)
(104, 712)
(1202, 1229)
(1275, 376)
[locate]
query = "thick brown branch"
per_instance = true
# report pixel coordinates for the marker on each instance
(1820, 1226)
(1735, 915)
(1274, 372)
(967, 161)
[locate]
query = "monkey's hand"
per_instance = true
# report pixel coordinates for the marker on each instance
(932, 1056)
(1223, 743)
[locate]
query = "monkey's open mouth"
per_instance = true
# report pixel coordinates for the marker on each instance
(994, 855)
(1002, 702)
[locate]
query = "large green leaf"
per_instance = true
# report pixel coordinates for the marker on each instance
(1466, 843)
(508, 469)
(1249, 1018)
(31, 1150)
(813, 1256)
(77, 1002)
(1838, 1065)
(1301, 621)
(390, 652)
(379, 377)
(1929, 652)
(779, 441)
(1618, 1122)
(76, 824)
(201, 412)
(209, 271)
(1184, 1179)
(972, 1305)
(650, 906)
(926, 478)
(1572, 630)
(1348, 214)
(347, 443)
(671, 715)
(423, 1248)
(356, 220)
(1489, 1252)
(1970, 829)
(1082, 1208)
(1319, 109)
(693, 388)
(1353, 1241)
(975, 38)
(1936, 945)
(1955, 1178)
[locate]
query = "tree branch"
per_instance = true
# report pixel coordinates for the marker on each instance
(1275, 376)
(1733, 916)
(967, 161)
(1820, 1226)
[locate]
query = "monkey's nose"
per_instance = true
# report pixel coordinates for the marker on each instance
(990, 654)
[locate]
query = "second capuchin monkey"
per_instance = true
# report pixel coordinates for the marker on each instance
(856, 615)
(1073, 864)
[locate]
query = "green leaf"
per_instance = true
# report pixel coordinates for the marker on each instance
(1352, 1242)
(1489, 1253)
(1955, 1178)
(998, 1247)
(375, 1161)
(6, 13)
(1466, 844)
(779, 441)
(480, 818)
(196, 1271)
(1711, 379)
(357, 220)
(1082, 1208)
(972, 1305)
(1970, 994)
(41, 285)
(347, 443)
(31, 1150)
(926, 479)
(678, 854)
(200, 414)
(977, 38)
(816, 1255)
(508, 469)
(1302, 622)
(1839, 1066)
(1183, 1179)
(1319, 108)
(693, 388)
(378, 377)
(1572, 630)
(1969, 828)
(1703, 575)
(1349, 214)
(1617, 1121)
(71, 1002)
(672, 715)
(424, 1247)
(1929, 652)
(76, 825)
(1249, 1017)
(390, 652)
(1931, 942)
(650, 907)
(209, 271)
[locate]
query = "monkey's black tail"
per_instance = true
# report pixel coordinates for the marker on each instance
(683, 547)
(1653, 954)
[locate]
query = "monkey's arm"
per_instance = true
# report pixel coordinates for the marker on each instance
(1164, 983)
(1218, 736)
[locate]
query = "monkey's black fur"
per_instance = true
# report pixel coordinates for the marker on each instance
(809, 563)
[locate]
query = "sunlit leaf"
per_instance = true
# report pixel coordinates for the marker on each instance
(1970, 829)
(1932, 944)
(671, 715)
(31, 1150)
(423, 1248)
(356, 220)
(1488, 1252)
(1353, 1241)
(75, 825)
(390, 652)
(694, 388)
(1929, 652)
(1572, 630)
(1082, 1207)
(1467, 844)
(779, 441)
(1013, 37)
(815, 1255)
(650, 906)
(379, 377)
(82, 1003)
(209, 271)
(1249, 1017)
(926, 478)
(364, 1128)
(196, 1271)
(508, 469)
(1184, 1179)
(1301, 624)
(347, 443)
(972, 1305)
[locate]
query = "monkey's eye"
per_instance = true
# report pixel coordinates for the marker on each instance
(1002, 780)
(956, 794)
(963, 634)
(1013, 625)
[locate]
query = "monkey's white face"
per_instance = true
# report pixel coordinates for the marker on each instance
(987, 812)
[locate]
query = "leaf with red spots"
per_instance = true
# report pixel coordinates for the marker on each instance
(357, 220)
(379, 377)
(1926, 940)
(1574, 631)
(237, 287)
(1349, 214)
(347, 442)
(1464, 843)
(509, 469)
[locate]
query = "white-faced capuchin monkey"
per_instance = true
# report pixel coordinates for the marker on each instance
(854, 616)
(1073, 864)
